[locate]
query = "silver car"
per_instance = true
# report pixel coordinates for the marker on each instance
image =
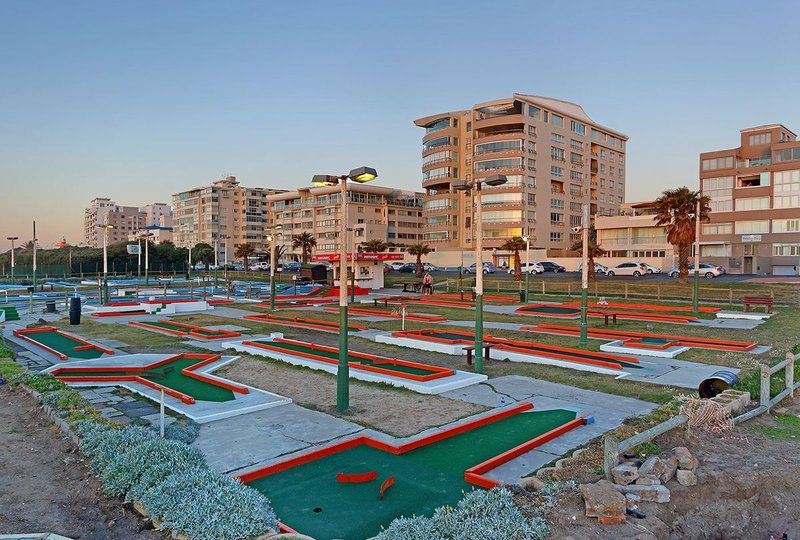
(706, 270)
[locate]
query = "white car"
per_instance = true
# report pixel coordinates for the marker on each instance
(598, 269)
(396, 265)
(651, 269)
(706, 270)
(535, 268)
(628, 269)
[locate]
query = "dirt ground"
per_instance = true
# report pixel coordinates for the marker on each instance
(46, 485)
(394, 411)
(748, 487)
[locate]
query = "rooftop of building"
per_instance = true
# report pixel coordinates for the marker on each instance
(351, 186)
(766, 127)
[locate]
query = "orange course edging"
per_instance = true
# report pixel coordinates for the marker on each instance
(356, 478)
(194, 331)
(315, 324)
(22, 333)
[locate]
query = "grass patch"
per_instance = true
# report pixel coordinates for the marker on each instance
(9, 368)
(788, 427)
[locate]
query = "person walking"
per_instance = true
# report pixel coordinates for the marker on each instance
(427, 284)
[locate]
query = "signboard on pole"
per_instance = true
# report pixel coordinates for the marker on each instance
(134, 249)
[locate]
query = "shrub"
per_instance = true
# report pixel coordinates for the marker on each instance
(5, 352)
(9, 368)
(488, 515)
(183, 431)
(44, 382)
(103, 445)
(208, 506)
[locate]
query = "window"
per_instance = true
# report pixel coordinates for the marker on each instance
(532, 130)
(501, 216)
(441, 172)
(786, 250)
(556, 236)
(469, 127)
(752, 203)
(531, 164)
(787, 201)
(442, 141)
(715, 250)
(556, 204)
(752, 227)
(556, 138)
(434, 158)
(760, 138)
(556, 171)
(575, 159)
(785, 225)
(787, 181)
(575, 145)
(577, 127)
(436, 204)
(717, 228)
(575, 207)
(531, 147)
(557, 121)
(790, 154)
(438, 125)
(494, 164)
(533, 112)
(557, 154)
(556, 217)
(498, 146)
(718, 163)
(576, 175)
(488, 199)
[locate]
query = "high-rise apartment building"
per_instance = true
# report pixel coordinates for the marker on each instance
(223, 214)
(754, 226)
(374, 213)
(104, 211)
(555, 157)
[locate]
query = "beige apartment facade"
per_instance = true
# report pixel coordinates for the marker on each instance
(104, 211)
(222, 215)
(556, 159)
(634, 235)
(373, 213)
(754, 225)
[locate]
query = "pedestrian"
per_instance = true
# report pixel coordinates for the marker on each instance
(427, 284)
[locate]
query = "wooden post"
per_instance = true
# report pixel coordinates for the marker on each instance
(610, 455)
(626, 291)
(569, 288)
(730, 296)
(790, 374)
(543, 288)
(764, 391)
(658, 291)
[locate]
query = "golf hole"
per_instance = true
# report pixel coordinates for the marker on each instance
(317, 509)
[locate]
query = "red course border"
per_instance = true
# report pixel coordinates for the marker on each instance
(421, 317)
(23, 333)
(193, 331)
(315, 324)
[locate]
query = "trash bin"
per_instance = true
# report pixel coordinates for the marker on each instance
(75, 310)
(50, 306)
(717, 383)
(522, 296)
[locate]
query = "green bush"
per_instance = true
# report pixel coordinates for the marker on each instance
(751, 382)
(10, 369)
(44, 382)
(5, 352)
(185, 431)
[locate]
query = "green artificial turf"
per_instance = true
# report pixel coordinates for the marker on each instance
(182, 329)
(170, 375)
(310, 500)
(11, 313)
(64, 345)
(334, 355)
(550, 309)
(333, 324)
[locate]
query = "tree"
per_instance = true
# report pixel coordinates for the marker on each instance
(515, 244)
(243, 251)
(419, 251)
(594, 251)
(374, 246)
(203, 252)
(305, 242)
(675, 210)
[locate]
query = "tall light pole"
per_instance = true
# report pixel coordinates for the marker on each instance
(494, 180)
(13, 263)
(105, 228)
(147, 257)
(139, 257)
(273, 238)
(527, 265)
(360, 175)
(696, 285)
(34, 258)
(584, 339)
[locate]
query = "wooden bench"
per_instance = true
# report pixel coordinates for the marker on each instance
(487, 347)
(765, 301)
(606, 316)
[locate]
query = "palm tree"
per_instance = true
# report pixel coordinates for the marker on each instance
(675, 210)
(306, 242)
(419, 250)
(515, 244)
(594, 251)
(203, 252)
(243, 251)
(375, 246)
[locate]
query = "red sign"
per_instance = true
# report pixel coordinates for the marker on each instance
(363, 256)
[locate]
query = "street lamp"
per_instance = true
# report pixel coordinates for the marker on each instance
(272, 238)
(13, 263)
(584, 339)
(105, 228)
(696, 284)
(467, 185)
(360, 175)
(527, 265)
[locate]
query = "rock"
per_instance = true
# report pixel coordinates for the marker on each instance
(531, 483)
(111, 524)
(658, 493)
(686, 478)
(648, 480)
(603, 501)
(624, 474)
(685, 458)
(652, 466)
(632, 501)
(670, 466)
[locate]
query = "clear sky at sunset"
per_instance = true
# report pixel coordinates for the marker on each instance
(137, 100)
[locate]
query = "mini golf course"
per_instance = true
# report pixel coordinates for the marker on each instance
(509, 349)
(11, 313)
(301, 322)
(349, 489)
(182, 329)
(645, 341)
(366, 312)
(571, 310)
(61, 344)
(175, 375)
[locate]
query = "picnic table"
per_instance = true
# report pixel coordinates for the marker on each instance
(487, 347)
(416, 286)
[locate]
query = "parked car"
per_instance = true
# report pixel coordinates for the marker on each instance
(598, 268)
(293, 266)
(396, 265)
(199, 266)
(428, 267)
(260, 266)
(651, 269)
(408, 268)
(535, 268)
(552, 267)
(635, 269)
(488, 268)
(706, 270)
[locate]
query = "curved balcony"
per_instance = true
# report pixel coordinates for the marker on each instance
(441, 148)
(438, 134)
(444, 162)
(498, 135)
(484, 174)
(520, 152)
(499, 120)
(438, 183)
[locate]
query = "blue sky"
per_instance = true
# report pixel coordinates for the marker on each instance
(137, 100)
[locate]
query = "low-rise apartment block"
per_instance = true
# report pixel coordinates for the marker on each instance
(126, 221)
(222, 215)
(634, 235)
(556, 159)
(374, 213)
(754, 226)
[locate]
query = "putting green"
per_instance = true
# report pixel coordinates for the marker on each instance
(168, 375)
(333, 324)
(334, 355)
(64, 344)
(183, 329)
(551, 309)
(310, 500)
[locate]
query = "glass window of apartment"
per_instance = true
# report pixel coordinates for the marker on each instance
(575, 145)
(531, 164)
(556, 138)
(786, 250)
(436, 204)
(556, 236)
(433, 158)
(785, 225)
(718, 187)
(532, 130)
(545, 117)
(575, 158)
(760, 138)
(557, 121)
(495, 164)
(787, 181)
(556, 204)
(715, 250)
(752, 203)
(438, 125)
(534, 112)
(556, 217)
(531, 182)
(575, 207)
(532, 147)
(575, 190)
(718, 163)
(577, 127)
(504, 216)
(441, 141)
(576, 175)
(787, 201)
(498, 146)
(557, 153)
(789, 154)
(556, 171)
(489, 199)
(532, 199)
(469, 127)
(717, 228)
(752, 227)
(440, 172)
